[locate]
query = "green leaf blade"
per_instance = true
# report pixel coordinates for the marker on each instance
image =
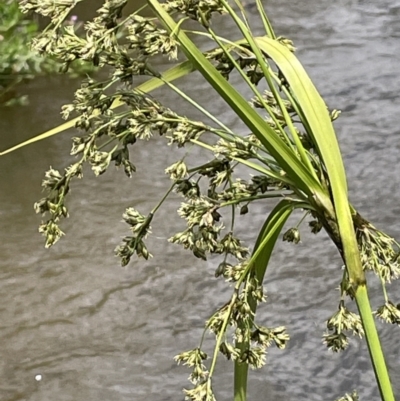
(152, 84)
(272, 142)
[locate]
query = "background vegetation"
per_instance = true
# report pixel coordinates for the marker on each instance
(18, 62)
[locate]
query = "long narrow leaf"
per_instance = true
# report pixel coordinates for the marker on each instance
(252, 43)
(316, 113)
(266, 240)
(268, 137)
(320, 126)
(312, 105)
(267, 25)
(172, 74)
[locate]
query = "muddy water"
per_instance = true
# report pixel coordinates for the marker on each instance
(95, 331)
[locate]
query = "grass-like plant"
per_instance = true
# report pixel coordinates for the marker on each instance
(291, 148)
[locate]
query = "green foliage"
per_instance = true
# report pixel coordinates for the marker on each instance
(18, 62)
(290, 149)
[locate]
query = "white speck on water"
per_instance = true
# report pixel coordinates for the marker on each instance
(38, 378)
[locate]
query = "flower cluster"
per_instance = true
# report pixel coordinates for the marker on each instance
(200, 10)
(185, 131)
(265, 336)
(238, 147)
(199, 376)
(140, 227)
(349, 397)
(389, 313)
(231, 272)
(177, 171)
(240, 190)
(148, 40)
(57, 187)
(194, 359)
(48, 8)
(254, 357)
(201, 392)
(315, 225)
(338, 324)
(292, 235)
(202, 219)
(102, 44)
(249, 341)
(259, 340)
(379, 252)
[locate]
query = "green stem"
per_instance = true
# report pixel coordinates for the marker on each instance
(274, 194)
(240, 378)
(223, 331)
(260, 258)
(302, 219)
(374, 345)
(197, 106)
(163, 199)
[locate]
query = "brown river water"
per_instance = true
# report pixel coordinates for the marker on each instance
(96, 331)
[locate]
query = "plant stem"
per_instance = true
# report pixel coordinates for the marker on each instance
(163, 199)
(240, 378)
(374, 345)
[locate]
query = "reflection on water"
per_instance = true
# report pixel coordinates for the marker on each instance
(95, 331)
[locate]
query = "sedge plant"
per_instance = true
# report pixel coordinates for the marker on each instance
(290, 148)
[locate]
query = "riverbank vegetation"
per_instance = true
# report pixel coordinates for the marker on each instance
(18, 62)
(289, 150)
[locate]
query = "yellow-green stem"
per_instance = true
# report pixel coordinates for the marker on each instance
(374, 345)
(240, 379)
